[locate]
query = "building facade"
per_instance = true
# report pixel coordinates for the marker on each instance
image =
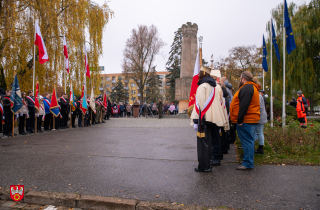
(108, 83)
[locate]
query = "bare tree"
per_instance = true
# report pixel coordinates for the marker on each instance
(139, 54)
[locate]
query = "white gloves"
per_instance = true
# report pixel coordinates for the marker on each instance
(195, 126)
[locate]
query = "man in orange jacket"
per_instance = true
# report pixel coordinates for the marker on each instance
(245, 112)
(301, 108)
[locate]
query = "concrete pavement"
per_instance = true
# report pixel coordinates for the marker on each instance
(152, 160)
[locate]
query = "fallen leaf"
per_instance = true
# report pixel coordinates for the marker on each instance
(157, 196)
(69, 184)
(258, 201)
(35, 187)
(174, 203)
(283, 164)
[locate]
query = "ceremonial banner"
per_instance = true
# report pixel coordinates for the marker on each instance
(54, 106)
(105, 102)
(37, 99)
(86, 62)
(65, 52)
(72, 102)
(264, 59)
(43, 55)
(16, 100)
(194, 84)
(92, 101)
(84, 105)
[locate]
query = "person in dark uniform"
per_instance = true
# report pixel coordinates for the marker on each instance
(108, 109)
(79, 112)
(48, 115)
(31, 109)
(64, 104)
(160, 106)
(7, 131)
(73, 115)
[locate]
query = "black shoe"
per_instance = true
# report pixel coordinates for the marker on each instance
(5, 135)
(29, 132)
(259, 150)
(103, 122)
(23, 133)
(32, 131)
(73, 126)
(97, 122)
(216, 163)
(63, 128)
(39, 131)
(199, 170)
(221, 157)
(226, 152)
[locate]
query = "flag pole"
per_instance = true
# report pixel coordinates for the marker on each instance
(284, 73)
(34, 57)
(271, 97)
(36, 118)
(14, 74)
(263, 80)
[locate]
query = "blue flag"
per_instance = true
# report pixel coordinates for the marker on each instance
(264, 59)
(274, 42)
(16, 96)
(291, 44)
(84, 101)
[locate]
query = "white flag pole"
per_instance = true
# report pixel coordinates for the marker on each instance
(284, 73)
(263, 80)
(34, 56)
(271, 96)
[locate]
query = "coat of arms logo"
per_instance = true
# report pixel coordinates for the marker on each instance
(16, 192)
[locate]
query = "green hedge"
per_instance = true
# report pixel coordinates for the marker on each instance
(277, 109)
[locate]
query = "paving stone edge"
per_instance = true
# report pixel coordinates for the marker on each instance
(95, 202)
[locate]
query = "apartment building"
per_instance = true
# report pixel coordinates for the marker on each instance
(108, 83)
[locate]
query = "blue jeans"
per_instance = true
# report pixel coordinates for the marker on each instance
(259, 134)
(246, 134)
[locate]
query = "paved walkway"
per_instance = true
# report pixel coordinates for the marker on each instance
(149, 159)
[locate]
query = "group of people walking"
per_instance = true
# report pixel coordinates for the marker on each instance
(31, 119)
(218, 114)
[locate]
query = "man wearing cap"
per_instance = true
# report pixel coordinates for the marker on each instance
(207, 119)
(301, 108)
(245, 113)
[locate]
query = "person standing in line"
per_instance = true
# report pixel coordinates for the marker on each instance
(103, 111)
(98, 110)
(23, 114)
(160, 106)
(48, 114)
(79, 112)
(40, 114)
(245, 113)
(64, 110)
(260, 126)
(31, 109)
(109, 109)
(128, 109)
(7, 131)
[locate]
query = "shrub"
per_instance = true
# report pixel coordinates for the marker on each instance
(277, 109)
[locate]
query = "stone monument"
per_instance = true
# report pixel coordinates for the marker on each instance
(188, 58)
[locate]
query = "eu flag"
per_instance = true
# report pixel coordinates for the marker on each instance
(291, 44)
(274, 42)
(16, 96)
(264, 59)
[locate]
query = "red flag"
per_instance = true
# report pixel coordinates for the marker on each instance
(36, 100)
(65, 52)
(54, 106)
(86, 62)
(195, 79)
(105, 103)
(83, 110)
(43, 55)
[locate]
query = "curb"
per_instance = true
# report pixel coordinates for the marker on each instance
(95, 202)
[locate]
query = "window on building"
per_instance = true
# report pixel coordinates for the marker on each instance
(108, 78)
(107, 85)
(101, 78)
(133, 92)
(138, 94)
(133, 84)
(168, 83)
(120, 77)
(161, 91)
(133, 98)
(161, 76)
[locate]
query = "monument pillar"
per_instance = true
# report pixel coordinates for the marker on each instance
(188, 58)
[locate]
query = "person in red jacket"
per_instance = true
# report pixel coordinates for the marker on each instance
(301, 108)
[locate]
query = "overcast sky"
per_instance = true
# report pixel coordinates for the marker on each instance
(222, 23)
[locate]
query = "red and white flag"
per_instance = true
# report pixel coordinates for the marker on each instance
(86, 62)
(195, 79)
(43, 55)
(65, 52)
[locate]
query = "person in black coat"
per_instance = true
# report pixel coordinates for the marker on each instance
(7, 130)
(79, 112)
(31, 109)
(108, 109)
(64, 104)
